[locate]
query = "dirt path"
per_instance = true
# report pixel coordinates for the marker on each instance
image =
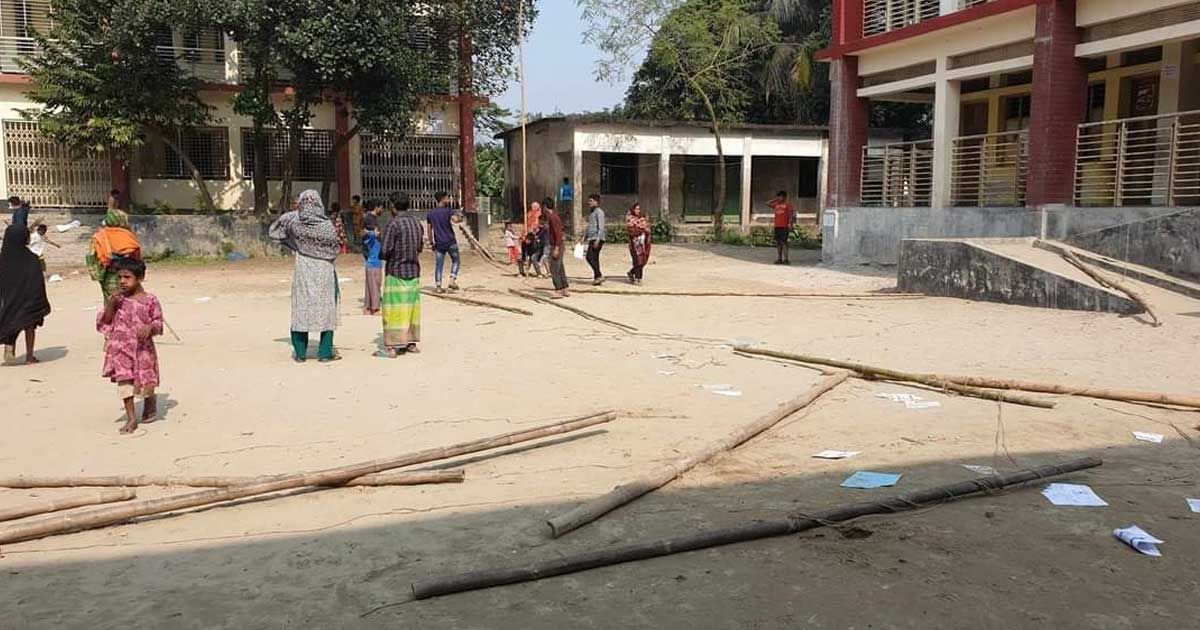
(236, 405)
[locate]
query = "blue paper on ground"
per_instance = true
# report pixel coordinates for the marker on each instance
(867, 480)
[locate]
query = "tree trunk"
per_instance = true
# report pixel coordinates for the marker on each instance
(289, 170)
(331, 160)
(718, 215)
(197, 177)
(262, 196)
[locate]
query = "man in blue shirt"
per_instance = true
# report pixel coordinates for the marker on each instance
(441, 235)
(20, 211)
(566, 195)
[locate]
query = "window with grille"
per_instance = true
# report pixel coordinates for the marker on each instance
(312, 160)
(618, 173)
(206, 147)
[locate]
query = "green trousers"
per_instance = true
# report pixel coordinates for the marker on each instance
(300, 345)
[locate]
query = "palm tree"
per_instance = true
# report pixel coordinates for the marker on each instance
(803, 26)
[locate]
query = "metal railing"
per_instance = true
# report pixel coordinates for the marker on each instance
(12, 49)
(204, 63)
(990, 169)
(881, 16)
(49, 174)
(1145, 161)
(898, 175)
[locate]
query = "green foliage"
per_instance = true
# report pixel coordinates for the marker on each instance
(662, 231)
(617, 233)
(489, 170)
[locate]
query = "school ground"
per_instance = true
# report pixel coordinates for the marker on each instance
(235, 404)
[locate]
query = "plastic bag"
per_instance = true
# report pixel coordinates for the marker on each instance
(580, 250)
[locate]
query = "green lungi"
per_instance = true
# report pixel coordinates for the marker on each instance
(401, 305)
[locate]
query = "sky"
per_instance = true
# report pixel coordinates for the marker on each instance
(559, 68)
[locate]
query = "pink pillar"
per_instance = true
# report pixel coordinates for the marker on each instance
(1059, 104)
(847, 135)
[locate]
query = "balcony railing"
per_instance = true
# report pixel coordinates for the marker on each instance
(898, 175)
(14, 48)
(1146, 161)
(881, 16)
(990, 169)
(204, 63)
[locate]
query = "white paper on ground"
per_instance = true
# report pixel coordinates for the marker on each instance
(54, 278)
(983, 470)
(1194, 505)
(835, 454)
(343, 279)
(201, 300)
(718, 387)
(67, 227)
(732, 393)
(924, 404)
(1072, 494)
(1156, 438)
(666, 372)
(665, 355)
(90, 308)
(1139, 539)
(911, 401)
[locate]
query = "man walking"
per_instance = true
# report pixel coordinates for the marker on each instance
(20, 211)
(441, 235)
(401, 299)
(556, 244)
(785, 220)
(595, 235)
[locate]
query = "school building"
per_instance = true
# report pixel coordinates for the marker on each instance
(1049, 117)
(671, 168)
(438, 154)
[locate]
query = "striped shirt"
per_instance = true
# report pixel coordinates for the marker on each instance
(403, 240)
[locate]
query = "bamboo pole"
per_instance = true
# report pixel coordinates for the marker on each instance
(578, 311)
(473, 302)
(781, 526)
(1104, 393)
(401, 478)
(1110, 282)
(885, 374)
(55, 505)
(661, 476)
(332, 476)
(847, 296)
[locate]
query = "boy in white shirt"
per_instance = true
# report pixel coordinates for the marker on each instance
(37, 244)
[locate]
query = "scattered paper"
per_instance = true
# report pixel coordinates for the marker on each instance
(54, 278)
(67, 227)
(1194, 505)
(732, 393)
(664, 355)
(718, 387)
(666, 372)
(835, 454)
(1073, 494)
(340, 280)
(911, 401)
(867, 480)
(201, 300)
(983, 470)
(1156, 438)
(1139, 539)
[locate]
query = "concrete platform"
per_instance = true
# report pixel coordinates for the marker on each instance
(1009, 271)
(1126, 269)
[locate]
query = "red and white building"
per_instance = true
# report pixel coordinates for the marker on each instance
(1036, 105)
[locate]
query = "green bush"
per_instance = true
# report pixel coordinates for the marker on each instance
(617, 233)
(662, 231)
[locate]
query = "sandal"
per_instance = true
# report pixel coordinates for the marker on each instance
(412, 349)
(336, 357)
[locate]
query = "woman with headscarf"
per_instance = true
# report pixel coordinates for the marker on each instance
(23, 303)
(638, 225)
(310, 233)
(113, 240)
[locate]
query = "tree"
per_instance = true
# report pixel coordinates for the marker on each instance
(489, 170)
(702, 47)
(104, 87)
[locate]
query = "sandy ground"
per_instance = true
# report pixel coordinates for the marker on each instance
(235, 404)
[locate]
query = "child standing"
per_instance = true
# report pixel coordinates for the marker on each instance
(510, 243)
(129, 322)
(37, 245)
(374, 266)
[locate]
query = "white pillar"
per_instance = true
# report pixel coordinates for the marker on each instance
(580, 193)
(822, 176)
(664, 179)
(949, 6)
(945, 129)
(747, 175)
(233, 73)
(1169, 90)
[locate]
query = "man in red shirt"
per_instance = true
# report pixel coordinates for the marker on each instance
(785, 220)
(556, 241)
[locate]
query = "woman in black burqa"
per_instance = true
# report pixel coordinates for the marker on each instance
(23, 303)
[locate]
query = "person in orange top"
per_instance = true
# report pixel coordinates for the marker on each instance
(114, 240)
(785, 220)
(532, 217)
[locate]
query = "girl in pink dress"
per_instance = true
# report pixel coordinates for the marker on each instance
(129, 322)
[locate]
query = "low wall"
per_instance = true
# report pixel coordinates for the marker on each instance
(1168, 242)
(199, 235)
(852, 236)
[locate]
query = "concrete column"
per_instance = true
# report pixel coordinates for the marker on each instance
(949, 6)
(946, 109)
(232, 73)
(581, 194)
(847, 134)
(1059, 104)
(664, 179)
(1169, 92)
(747, 178)
(342, 124)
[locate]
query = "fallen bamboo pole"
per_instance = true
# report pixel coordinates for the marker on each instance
(473, 302)
(885, 374)
(661, 476)
(1110, 282)
(391, 478)
(333, 476)
(848, 296)
(1103, 393)
(754, 531)
(578, 311)
(55, 505)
